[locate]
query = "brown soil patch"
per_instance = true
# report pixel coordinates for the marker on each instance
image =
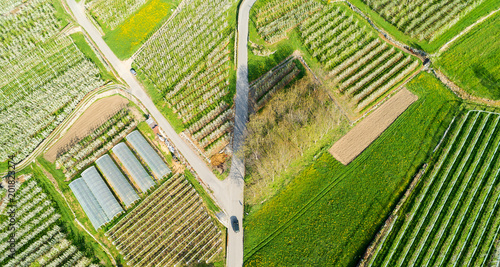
(364, 133)
(177, 167)
(91, 118)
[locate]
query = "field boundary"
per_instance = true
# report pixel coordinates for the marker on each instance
(359, 138)
(461, 93)
(417, 52)
(105, 91)
(56, 186)
(391, 220)
(466, 30)
(150, 38)
(428, 168)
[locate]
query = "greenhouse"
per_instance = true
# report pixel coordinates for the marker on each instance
(101, 192)
(133, 167)
(148, 154)
(117, 180)
(89, 203)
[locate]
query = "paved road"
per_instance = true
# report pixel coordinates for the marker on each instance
(228, 193)
(218, 187)
(237, 173)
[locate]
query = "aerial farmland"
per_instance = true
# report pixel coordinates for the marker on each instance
(249, 133)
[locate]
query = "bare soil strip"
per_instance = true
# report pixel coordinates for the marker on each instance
(364, 133)
(91, 118)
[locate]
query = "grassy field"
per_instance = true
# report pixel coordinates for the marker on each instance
(330, 212)
(4, 166)
(131, 34)
(61, 14)
(482, 10)
(473, 61)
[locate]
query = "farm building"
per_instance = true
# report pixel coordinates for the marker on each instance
(117, 180)
(148, 154)
(101, 192)
(89, 203)
(134, 168)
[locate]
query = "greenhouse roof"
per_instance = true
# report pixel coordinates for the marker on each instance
(101, 192)
(117, 180)
(89, 203)
(148, 154)
(133, 167)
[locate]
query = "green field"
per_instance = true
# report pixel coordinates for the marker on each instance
(330, 212)
(451, 216)
(134, 31)
(473, 60)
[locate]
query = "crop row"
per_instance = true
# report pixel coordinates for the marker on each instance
(155, 227)
(113, 13)
(32, 113)
(362, 66)
(276, 18)
(263, 84)
(8, 5)
(38, 238)
(434, 180)
(170, 228)
(461, 206)
(280, 84)
(423, 19)
(97, 143)
(167, 197)
(459, 192)
(21, 30)
(145, 206)
(60, 52)
(188, 60)
(439, 205)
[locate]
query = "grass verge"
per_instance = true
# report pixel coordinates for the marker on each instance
(201, 191)
(160, 103)
(82, 44)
